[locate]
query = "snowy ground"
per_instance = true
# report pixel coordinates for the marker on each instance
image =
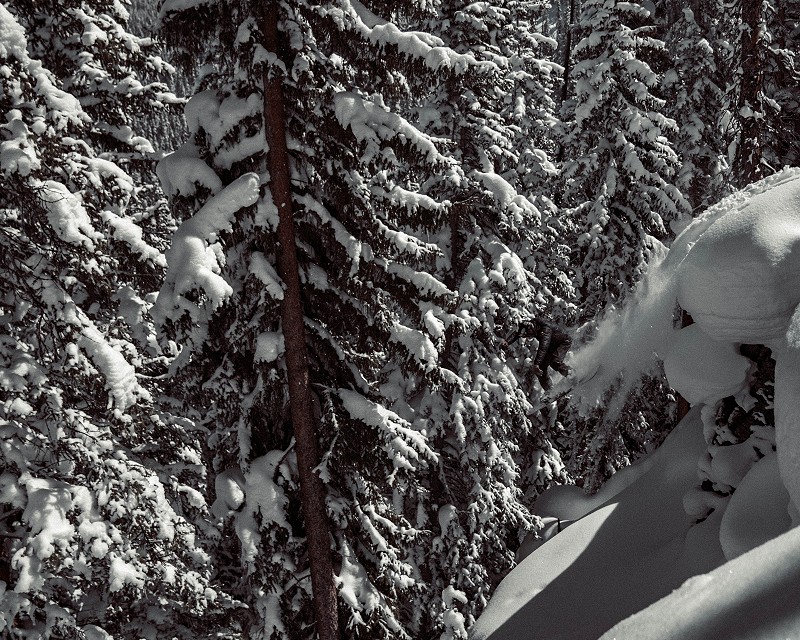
(636, 563)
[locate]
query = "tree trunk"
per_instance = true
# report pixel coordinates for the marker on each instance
(747, 166)
(452, 279)
(312, 490)
(568, 52)
(567, 68)
(700, 17)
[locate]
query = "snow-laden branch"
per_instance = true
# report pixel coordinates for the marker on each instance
(192, 262)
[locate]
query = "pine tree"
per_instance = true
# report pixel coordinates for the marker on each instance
(620, 156)
(620, 431)
(698, 104)
(620, 172)
(782, 81)
(370, 222)
(497, 240)
(765, 76)
(97, 483)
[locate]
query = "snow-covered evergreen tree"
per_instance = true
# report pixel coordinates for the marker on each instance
(395, 313)
(782, 81)
(698, 104)
(86, 45)
(620, 431)
(765, 77)
(619, 149)
(497, 242)
(96, 481)
(529, 103)
(115, 76)
(619, 172)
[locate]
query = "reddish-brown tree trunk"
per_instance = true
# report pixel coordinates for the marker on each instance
(312, 489)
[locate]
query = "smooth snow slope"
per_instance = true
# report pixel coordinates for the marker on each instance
(754, 597)
(624, 555)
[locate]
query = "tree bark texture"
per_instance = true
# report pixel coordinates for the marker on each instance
(312, 490)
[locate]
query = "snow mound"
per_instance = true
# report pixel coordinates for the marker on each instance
(757, 510)
(787, 423)
(737, 280)
(628, 552)
(702, 369)
(760, 225)
(621, 564)
(736, 270)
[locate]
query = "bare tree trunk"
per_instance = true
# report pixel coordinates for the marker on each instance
(700, 17)
(312, 490)
(568, 52)
(748, 166)
(570, 27)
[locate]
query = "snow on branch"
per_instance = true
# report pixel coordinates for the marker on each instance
(504, 194)
(349, 243)
(373, 124)
(405, 445)
(507, 268)
(410, 200)
(17, 151)
(13, 43)
(414, 44)
(417, 344)
(176, 6)
(182, 171)
(192, 263)
(67, 215)
(127, 231)
(358, 591)
(425, 282)
(217, 117)
(344, 359)
(262, 269)
(62, 107)
(120, 375)
(406, 243)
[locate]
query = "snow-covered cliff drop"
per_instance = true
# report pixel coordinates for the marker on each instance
(619, 568)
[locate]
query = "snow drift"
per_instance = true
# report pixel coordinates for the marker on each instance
(654, 556)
